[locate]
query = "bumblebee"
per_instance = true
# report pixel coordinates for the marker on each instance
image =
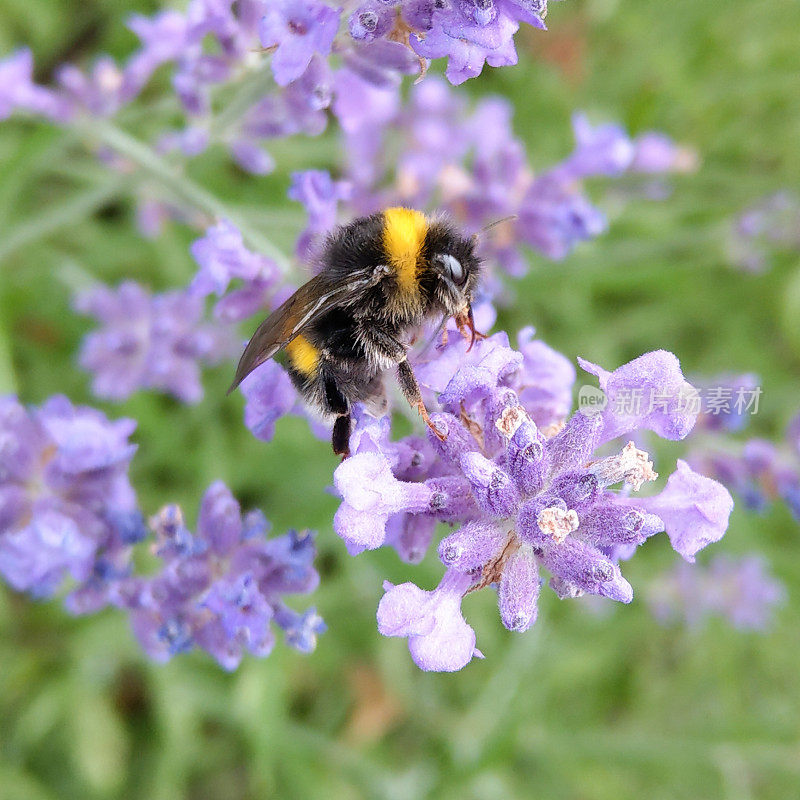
(380, 278)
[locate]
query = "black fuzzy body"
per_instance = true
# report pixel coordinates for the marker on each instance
(372, 308)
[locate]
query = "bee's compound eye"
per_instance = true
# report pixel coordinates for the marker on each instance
(452, 267)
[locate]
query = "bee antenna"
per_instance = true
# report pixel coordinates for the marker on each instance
(486, 228)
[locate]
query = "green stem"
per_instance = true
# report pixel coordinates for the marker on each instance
(8, 381)
(482, 721)
(75, 208)
(249, 91)
(181, 185)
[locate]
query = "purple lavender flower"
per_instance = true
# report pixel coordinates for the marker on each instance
(298, 109)
(554, 218)
(468, 163)
(740, 590)
(165, 37)
(223, 588)
(524, 499)
(99, 91)
(759, 472)
(251, 157)
(544, 382)
(655, 152)
(149, 342)
(367, 97)
(470, 33)
(465, 58)
(299, 29)
(371, 494)
(695, 510)
(66, 506)
(648, 392)
(320, 195)
(438, 637)
(223, 258)
(269, 395)
(18, 91)
(599, 150)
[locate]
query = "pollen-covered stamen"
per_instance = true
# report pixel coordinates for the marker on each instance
(368, 20)
(510, 419)
(631, 466)
(557, 522)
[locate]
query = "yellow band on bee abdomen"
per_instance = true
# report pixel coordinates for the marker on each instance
(303, 355)
(403, 237)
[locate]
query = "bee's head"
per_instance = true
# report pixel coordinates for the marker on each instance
(454, 269)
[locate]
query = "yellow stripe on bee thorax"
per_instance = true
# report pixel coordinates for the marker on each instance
(403, 238)
(303, 355)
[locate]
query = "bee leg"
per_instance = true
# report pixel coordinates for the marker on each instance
(337, 403)
(341, 435)
(410, 389)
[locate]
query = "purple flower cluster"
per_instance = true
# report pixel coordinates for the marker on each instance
(246, 282)
(436, 153)
(524, 486)
(67, 510)
(740, 590)
(216, 42)
(222, 588)
(759, 472)
(222, 259)
(772, 224)
(525, 497)
(469, 164)
(149, 341)
(469, 33)
(66, 505)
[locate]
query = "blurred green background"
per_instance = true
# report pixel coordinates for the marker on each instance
(586, 705)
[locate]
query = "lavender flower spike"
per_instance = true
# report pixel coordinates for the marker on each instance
(65, 500)
(222, 589)
(223, 257)
(149, 342)
(18, 91)
(525, 499)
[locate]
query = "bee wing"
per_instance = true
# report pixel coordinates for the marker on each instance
(286, 322)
